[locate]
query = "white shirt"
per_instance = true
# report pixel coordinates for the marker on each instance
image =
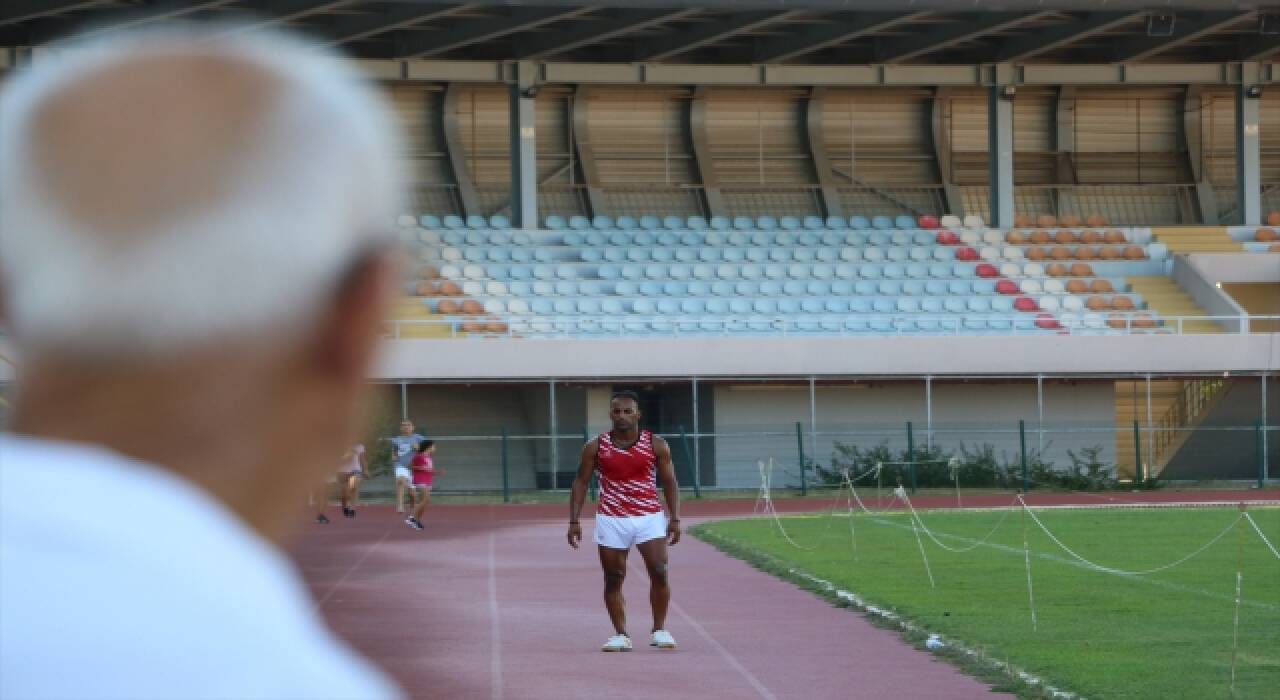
(120, 580)
(352, 464)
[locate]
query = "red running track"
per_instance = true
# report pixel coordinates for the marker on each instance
(490, 602)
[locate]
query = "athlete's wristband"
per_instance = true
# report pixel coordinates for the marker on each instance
(573, 522)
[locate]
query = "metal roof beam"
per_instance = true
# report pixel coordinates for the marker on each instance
(838, 32)
(677, 43)
(951, 34)
(25, 10)
(480, 30)
(1036, 43)
(597, 32)
(1185, 29)
(1257, 48)
(357, 28)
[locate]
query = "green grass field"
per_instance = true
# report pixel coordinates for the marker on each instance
(1103, 635)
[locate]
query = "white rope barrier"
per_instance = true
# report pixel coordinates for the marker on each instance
(1258, 530)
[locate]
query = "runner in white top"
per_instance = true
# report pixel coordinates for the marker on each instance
(353, 468)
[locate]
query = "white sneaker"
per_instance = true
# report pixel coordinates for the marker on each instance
(618, 642)
(662, 639)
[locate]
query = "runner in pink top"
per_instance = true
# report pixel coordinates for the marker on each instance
(424, 472)
(628, 461)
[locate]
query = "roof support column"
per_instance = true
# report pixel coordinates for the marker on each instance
(524, 147)
(1248, 153)
(939, 109)
(817, 141)
(702, 153)
(586, 152)
(1192, 136)
(1000, 147)
(457, 157)
(1064, 145)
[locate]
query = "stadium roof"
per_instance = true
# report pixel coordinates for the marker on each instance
(718, 31)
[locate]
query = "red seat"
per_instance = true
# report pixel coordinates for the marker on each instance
(1026, 304)
(987, 270)
(928, 221)
(1006, 287)
(1046, 321)
(947, 238)
(967, 254)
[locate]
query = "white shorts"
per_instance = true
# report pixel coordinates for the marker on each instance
(404, 473)
(622, 532)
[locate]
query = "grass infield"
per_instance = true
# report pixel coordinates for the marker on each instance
(1098, 634)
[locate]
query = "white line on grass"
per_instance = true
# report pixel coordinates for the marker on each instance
(367, 552)
(495, 629)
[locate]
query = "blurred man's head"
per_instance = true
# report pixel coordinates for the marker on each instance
(406, 428)
(194, 237)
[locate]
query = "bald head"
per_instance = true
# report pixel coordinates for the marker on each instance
(165, 189)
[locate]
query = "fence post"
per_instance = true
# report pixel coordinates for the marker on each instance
(1022, 440)
(688, 457)
(593, 484)
(911, 457)
(506, 484)
(1262, 462)
(804, 487)
(1137, 456)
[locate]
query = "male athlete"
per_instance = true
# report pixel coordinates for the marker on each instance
(627, 459)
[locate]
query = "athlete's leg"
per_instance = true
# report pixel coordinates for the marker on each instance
(344, 485)
(423, 498)
(614, 564)
(655, 560)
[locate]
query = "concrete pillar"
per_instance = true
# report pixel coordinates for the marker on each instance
(524, 147)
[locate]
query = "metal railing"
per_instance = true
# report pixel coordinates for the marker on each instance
(1182, 416)
(1121, 205)
(589, 326)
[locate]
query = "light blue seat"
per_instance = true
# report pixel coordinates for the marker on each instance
(837, 222)
(1002, 304)
(799, 271)
(802, 254)
(655, 272)
(684, 255)
(616, 255)
(794, 288)
(913, 288)
(703, 272)
(881, 239)
(785, 239)
(896, 255)
(846, 271)
(590, 288)
(626, 288)
(779, 254)
(918, 254)
(564, 306)
(696, 223)
(743, 223)
(473, 255)
(789, 223)
(745, 288)
(959, 287)
(813, 223)
(811, 306)
(518, 288)
(938, 270)
(751, 272)
(871, 272)
(573, 239)
(733, 255)
(827, 254)
(662, 254)
(943, 254)
(722, 288)
(999, 324)
(519, 272)
(544, 288)
(429, 221)
(498, 221)
(735, 239)
(883, 305)
(979, 305)
(964, 270)
(918, 272)
(566, 272)
(842, 288)
(818, 288)
(632, 272)
(771, 288)
(554, 222)
(931, 305)
(643, 306)
(609, 272)
(808, 238)
(836, 306)
(761, 239)
(757, 255)
(579, 223)
(544, 255)
(595, 238)
(602, 221)
(851, 254)
(610, 306)
(894, 271)
(709, 255)
(541, 306)
(788, 305)
(739, 306)
(672, 223)
(832, 239)
(668, 306)
(717, 306)
(544, 272)
(454, 221)
(566, 288)
(668, 239)
(822, 272)
(908, 305)
(650, 223)
(498, 255)
(642, 238)
(955, 305)
(591, 255)
(719, 223)
(651, 288)
(984, 286)
(727, 272)
(859, 222)
(765, 223)
(678, 272)
(890, 288)
(924, 238)
(692, 238)
(882, 223)
(935, 288)
(855, 239)
(521, 238)
(900, 238)
(860, 305)
(765, 306)
(856, 324)
(905, 222)
(499, 238)
(624, 222)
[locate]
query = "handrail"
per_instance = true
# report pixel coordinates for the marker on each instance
(1195, 398)
(534, 326)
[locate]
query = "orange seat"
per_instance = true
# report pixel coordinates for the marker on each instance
(1056, 270)
(1096, 303)
(426, 289)
(1091, 237)
(1081, 270)
(1022, 221)
(473, 327)
(496, 327)
(450, 289)
(1095, 220)
(1035, 254)
(1134, 252)
(1109, 253)
(428, 272)
(471, 307)
(1077, 286)
(1016, 238)
(1060, 253)
(1064, 237)
(1273, 219)
(1266, 235)
(1121, 303)
(1071, 221)
(1116, 321)
(1039, 236)
(1101, 286)
(1113, 236)
(1143, 321)
(1046, 221)
(448, 306)
(1085, 252)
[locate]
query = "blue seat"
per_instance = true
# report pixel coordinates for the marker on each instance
(624, 222)
(811, 306)
(655, 272)
(813, 223)
(1002, 304)
(855, 239)
(836, 306)
(799, 271)
(475, 221)
(882, 223)
(765, 306)
(818, 288)
(983, 286)
(771, 288)
(609, 272)
(595, 238)
(924, 238)
(913, 288)
(979, 304)
(859, 222)
(662, 254)
(641, 238)
(879, 239)
(939, 271)
(554, 222)
(696, 223)
(743, 223)
(544, 288)
(519, 272)
(918, 272)
(832, 239)
(579, 223)
(643, 306)
(591, 255)
(632, 272)
(429, 221)
(499, 238)
(935, 288)
(722, 288)
(803, 255)
(870, 271)
(908, 305)
(573, 239)
(808, 238)
(651, 288)
(764, 223)
(521, 238)
(944, 254)
(918, 253)
(566, 288)
(860, 305)
(626, 288)
(931, 305)
(883, 305)
(751, 272)
(692, 238)
(904, 222)
(794, 288)
(454, 222)
(499, 255)
(823, 272)
(788, 305)
(610, 306)
(739, 306)
(668, 306)
(650, 223)
(685, 254)
(842, 288)
(957, 305)
(785, 239)
(498, 221)
(890, 287)
(564, 306)
(964, 270)
(717, 306)
(837, 222)
(601, 221)
(789, 223)
(894, 271)
(719, 223)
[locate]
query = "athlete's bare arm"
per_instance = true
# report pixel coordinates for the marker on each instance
(670, 489)
(577, 496)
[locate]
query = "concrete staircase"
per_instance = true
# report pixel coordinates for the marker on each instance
(1164, 297)
(1177, 407)
(1196, 239)
(412, 309)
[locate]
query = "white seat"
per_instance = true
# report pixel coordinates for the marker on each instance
(974, 222)
(1033, 270)
(1072, 303)
(1049, 303)
(989, 254)
(1013, 253)
(450, 272)
(1052, 286)
(495, 289)
(970, 238)
(1094, 321)
(950, 221)
(495, 306)
(1031, 287)
(472, 288)
(451, 255)
(1010, 270)
(993, 237)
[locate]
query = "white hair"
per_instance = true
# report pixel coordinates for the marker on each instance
(321, 188)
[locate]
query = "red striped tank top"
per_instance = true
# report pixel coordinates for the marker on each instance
(628, 477)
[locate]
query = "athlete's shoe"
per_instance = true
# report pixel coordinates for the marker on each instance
(618, 642)
(349, 512)
(413, 523)
(322, 520)
(662, 639)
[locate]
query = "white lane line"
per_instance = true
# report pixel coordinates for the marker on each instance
(320, 603)
(724, 653)
(495, 630)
